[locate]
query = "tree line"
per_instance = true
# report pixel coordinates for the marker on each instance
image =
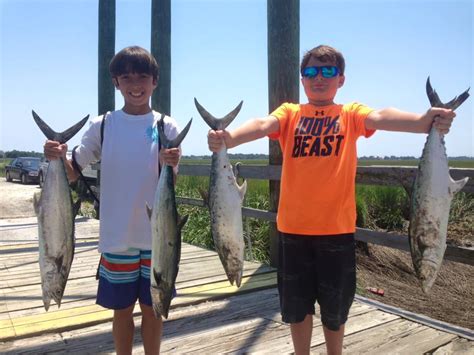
(12, 154)
(21, 153)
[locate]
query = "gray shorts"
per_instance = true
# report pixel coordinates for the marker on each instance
(316, 268)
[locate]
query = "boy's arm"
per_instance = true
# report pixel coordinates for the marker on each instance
(391, 119)
(53, 150)
(247, 132)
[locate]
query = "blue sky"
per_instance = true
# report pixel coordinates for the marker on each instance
(49, 60)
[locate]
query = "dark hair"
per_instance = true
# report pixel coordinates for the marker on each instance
(324, 54)
(133, 59)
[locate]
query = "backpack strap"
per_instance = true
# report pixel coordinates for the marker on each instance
(102, 123)
(78, 169)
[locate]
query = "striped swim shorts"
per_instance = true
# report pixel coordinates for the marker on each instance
(124, 278)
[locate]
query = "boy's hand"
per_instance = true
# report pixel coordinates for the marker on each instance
(216, 140)
(170, 156)
(53, 150)
(441, 118)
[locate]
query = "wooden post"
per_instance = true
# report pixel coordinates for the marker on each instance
(106, 92)
(106, 99)
(161, 49)
(283, 21)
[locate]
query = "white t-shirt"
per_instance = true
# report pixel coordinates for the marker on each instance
(128, 175)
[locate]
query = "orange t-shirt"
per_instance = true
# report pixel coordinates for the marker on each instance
(317, 193)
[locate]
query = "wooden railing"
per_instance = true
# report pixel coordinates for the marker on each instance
(371, 175)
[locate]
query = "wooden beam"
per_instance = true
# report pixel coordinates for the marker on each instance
(283, 31)
(403, 176)
(106, 99)
(161, 50)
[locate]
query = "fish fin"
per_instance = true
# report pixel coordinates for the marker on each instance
(436, 102)
(456, 186)
(157, 277)
(205, 196)
(48, 131)
(432, 95)
(71, 132)
(177, 141)
(160, 125)
(171, 143)
(217, 123)
(75, 208)
(59, 263)
(149, 211)
(62, 137)
(242, 190)
(182, 221)
(36, 203)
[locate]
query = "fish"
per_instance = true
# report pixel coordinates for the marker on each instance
(166, 226)
(224, 199)
(56, 213)
(431, 197)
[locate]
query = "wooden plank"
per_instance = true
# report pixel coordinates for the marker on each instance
(457, 346)
(400, 242)
(420, 318)
(90, 314)
(242, 324)
(254, 335)
(400, 337)
(370, 175)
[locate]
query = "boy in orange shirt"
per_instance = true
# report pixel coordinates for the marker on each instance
(316, 213)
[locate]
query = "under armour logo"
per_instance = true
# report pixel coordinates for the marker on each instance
(319, 113)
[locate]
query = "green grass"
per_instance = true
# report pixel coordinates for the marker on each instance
(362, 162)
(3, 162)
(378, 208)
(411, 162)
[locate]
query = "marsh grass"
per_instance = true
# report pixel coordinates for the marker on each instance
(382, 208)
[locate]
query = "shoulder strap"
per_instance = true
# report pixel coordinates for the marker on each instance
(159, 148)
(102, 123)
(78, 169)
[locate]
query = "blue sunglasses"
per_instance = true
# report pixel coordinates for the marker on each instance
(327, 71)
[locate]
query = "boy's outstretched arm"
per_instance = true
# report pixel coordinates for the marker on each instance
(391, 119)
(247, 132)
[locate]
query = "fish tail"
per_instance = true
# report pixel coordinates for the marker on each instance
(217, 123)
(61, 137)
(173, 143)
(436, 102)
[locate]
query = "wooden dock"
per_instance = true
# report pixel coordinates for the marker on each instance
(208, 316)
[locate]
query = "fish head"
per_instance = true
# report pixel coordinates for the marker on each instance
(56, 289)
(53, 287)
(53, 291)
(427, 271)
(161, 299)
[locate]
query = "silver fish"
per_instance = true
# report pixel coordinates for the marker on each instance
(225, 203)
(56, 213)
(431, 200)
(166, 227)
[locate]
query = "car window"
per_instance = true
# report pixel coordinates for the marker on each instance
(30, 163)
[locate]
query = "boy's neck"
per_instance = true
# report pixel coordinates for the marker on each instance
(321, 103)
(136, 111)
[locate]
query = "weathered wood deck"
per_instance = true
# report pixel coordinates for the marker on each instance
(208, 315)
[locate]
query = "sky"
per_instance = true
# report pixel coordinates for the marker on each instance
(49, 56)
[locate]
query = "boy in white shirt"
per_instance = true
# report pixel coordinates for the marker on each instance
(129, 155)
